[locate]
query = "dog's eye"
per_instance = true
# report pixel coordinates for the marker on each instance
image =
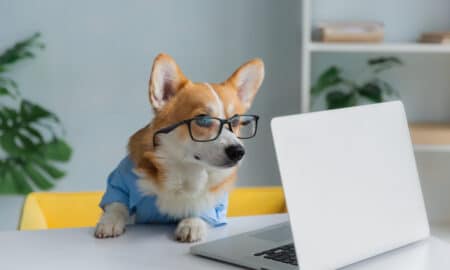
(235, 122)
(204, 121)
(246, 122)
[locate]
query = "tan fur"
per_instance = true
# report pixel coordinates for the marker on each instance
(189, 99)
(187, 177)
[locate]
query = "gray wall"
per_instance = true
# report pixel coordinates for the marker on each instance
(95, 69)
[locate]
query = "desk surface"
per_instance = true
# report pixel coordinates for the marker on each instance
(141, 247)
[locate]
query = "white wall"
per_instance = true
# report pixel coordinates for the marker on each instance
(95, 69)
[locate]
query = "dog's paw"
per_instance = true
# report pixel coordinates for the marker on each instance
(113, 221)
(106, 230)
(190, 230)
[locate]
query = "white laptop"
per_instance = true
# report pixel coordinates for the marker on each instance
(353, 196)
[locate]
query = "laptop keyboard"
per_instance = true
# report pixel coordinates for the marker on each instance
(284, 254)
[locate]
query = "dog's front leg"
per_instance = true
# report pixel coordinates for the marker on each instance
(191, 230)
(113, 221)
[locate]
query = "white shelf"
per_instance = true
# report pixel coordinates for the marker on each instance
(430, 137)
(378, 47)
(431, 148)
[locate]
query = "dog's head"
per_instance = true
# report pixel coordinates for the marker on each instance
(175, 98)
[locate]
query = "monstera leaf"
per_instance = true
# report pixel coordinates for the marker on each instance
(31, 136)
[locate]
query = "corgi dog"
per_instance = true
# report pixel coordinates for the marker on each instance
(181, 166)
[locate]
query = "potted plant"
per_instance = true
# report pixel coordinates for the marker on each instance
(31, 136)
(341, 92)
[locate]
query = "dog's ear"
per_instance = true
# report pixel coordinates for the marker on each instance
(247, 79)
(165, 80)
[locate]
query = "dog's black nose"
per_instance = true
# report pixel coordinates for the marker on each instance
(235, 152)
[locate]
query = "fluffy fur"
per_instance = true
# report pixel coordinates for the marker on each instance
(187, 177)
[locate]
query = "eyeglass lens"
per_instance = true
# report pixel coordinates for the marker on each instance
(243, 126)
(207, 128)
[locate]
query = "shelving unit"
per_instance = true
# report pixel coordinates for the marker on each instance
(427, 63)
(430, 136)
(315, 47)
(426, 137)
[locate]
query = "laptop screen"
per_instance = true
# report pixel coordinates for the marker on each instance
(351, 183)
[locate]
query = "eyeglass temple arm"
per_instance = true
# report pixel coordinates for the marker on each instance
(166, 130)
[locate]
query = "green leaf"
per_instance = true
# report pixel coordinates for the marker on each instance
(23, 187)
(34, 132)
(386, 87)
(28, 155)
(7, 185)
(9, 117)
(10, 113)
(41, 181)
(338, 99)
(8, 143)
(57, 150)
(328, 78)
(4, 92)
(51, 170)
(21, 50)
(27, 143)
(372, 91)
(383, 63)
(384, 60)
(3, 120)
(32, 112)
(9, 83)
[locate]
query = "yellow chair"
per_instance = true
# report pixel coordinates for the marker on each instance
(55, 210)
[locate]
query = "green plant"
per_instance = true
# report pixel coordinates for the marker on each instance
(342, 92)
(31, 137)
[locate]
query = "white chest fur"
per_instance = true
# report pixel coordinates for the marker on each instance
(185, 191)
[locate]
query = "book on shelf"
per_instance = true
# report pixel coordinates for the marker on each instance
(430, 133)
(435, 37)
(363, 32)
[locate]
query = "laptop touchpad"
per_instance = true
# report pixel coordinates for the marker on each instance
(279, 234)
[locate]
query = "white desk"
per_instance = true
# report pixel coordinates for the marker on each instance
(141, 247)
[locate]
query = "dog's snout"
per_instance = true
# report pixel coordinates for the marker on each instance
(235, 152)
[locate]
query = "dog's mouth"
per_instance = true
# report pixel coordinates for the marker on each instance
(229, 164)
(225, 165)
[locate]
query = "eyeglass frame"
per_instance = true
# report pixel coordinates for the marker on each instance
(187, 122)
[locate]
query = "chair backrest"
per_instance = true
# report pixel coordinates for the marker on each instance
(56, 210)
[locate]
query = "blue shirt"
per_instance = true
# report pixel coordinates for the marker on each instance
(122, 188)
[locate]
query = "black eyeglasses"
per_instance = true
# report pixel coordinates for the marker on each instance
(204, 128)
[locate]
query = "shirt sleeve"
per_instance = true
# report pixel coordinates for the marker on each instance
(116, 191)
(217, 216)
